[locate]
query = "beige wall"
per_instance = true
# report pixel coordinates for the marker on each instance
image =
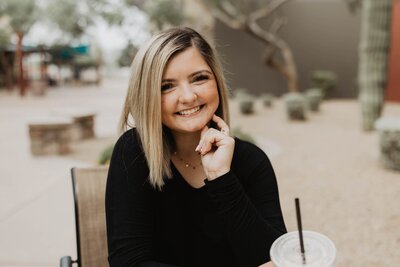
(323, 34)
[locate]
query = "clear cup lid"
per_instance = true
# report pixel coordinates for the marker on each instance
(319, 250)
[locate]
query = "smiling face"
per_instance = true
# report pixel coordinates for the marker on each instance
(189, 93)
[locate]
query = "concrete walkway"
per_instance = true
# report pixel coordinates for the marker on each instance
(36, 210)
(327, 161)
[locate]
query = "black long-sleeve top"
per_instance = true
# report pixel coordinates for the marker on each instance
(231, 221)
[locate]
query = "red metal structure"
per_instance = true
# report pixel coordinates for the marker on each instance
(393, 85)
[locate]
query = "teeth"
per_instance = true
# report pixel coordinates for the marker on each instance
(189, 111)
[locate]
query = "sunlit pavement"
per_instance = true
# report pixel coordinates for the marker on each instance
(36, 211)
(327, 161)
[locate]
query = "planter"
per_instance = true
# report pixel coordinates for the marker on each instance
(295, 106)
(50, 137)
(314, 97)
(389, 140)
(83, 123)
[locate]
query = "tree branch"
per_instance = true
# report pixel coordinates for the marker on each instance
(225, 16)
(228, 8)
(267, 10)
(277, 24)
(271, 39)
(234, 19)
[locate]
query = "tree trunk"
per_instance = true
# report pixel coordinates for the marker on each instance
(288, 70)
(19, 63)
(7, 70)
(373, 53)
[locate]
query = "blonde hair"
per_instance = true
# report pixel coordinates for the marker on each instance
(143, 100)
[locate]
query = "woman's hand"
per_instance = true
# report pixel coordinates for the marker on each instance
(267, 264)
(216, 148)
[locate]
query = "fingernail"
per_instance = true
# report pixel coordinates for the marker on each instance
(197, 148)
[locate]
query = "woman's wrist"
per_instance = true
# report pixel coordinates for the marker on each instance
(214, 175)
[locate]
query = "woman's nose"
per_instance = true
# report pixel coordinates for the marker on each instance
(187, 94)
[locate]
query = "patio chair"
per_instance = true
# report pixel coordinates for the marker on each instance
(89, 191)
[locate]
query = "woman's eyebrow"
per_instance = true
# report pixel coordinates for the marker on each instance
(167, 80)
(190, 75)
(198, 72)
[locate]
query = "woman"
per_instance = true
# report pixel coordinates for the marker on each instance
(181, 191)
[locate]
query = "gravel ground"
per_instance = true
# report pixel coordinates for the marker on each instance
(335, 170)
(326, 161)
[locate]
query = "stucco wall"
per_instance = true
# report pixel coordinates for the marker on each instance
(323, 34)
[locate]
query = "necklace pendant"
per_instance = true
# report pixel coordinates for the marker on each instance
(186, 165)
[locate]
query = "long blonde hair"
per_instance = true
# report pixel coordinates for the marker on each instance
(143, 100)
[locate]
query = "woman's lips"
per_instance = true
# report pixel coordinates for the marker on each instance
(191, 111)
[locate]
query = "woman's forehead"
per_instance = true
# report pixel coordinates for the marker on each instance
(189, 60)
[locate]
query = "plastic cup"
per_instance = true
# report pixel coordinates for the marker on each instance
(319, 250)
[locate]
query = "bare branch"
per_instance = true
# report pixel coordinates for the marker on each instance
(286, 72)
(277, 24)
(279, 67)
(269, 60)
(267, 10)
(230, 22)
(231, 11)
(236, 20)
(271, 39)
(228, 8)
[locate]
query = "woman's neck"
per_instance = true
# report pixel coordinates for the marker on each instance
(186, 143)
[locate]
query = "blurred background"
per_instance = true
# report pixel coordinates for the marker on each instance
(314, 83)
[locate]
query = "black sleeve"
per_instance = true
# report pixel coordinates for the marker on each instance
(250, 209)
(129, 207)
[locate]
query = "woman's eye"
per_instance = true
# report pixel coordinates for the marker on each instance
(166, 86)
(200, 78)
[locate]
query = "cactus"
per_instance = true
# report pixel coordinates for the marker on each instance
(389, 139)
(314, 97)
(373, 52)
(325, 80)
(240, 92)
(295, 106)
(246, 104)
(245, 101)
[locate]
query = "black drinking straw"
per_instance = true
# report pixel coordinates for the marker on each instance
(298, 215)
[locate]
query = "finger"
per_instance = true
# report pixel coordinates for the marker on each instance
(212, 138)
(221, 124)
(204, 131)
(202, 135)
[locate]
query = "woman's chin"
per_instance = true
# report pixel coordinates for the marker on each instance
(193, 125)
(192, 129)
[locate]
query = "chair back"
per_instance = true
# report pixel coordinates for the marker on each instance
(89, 186)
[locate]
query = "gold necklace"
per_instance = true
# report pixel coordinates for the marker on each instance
(187, 164)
